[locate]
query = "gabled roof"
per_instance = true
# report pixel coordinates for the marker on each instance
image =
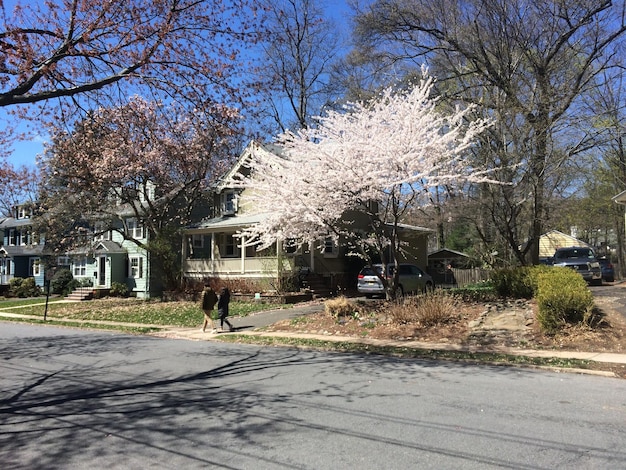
(108, 246)
(227, 180)
(550, 241)
(447, 253)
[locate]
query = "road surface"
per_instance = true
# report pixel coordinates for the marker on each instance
(75, 399)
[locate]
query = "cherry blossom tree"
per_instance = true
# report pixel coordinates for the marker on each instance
(141, 161)
(376, 159)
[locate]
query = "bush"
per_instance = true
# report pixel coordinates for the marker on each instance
(519, 282)
(23, 287)
(61, 282)
(563, 297)
(430, 309)
(481, 292)
(118, 289)
(341, 307)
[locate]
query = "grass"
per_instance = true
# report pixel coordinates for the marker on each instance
(182, 314)
(10, 303)
(416, 353)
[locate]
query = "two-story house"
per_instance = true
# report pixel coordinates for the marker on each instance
(213, 247)
(111, 257)
(21, 250)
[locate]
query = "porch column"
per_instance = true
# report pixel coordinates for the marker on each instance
(243, 255)
(312, 255)
(212, 252)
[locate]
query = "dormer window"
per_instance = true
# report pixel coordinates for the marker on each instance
(100, 232)
(22, 212)
(135, 229)
(229, 203)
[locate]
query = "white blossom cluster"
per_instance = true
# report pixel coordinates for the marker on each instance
(391, 151)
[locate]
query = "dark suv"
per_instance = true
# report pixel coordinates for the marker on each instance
(583, 260)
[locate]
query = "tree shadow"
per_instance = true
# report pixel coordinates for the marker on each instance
(117, 400)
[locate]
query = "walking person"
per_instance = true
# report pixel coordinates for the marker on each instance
(222, 308)
(208, 301)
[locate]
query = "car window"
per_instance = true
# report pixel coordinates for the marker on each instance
(368, 272)
(405, 270)
(574, 253)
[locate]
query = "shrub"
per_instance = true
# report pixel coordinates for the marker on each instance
(118, 289)
(341, 307)
(432, 308)
(61, 282)
(23, 287)
(562, 297)
(519, 282)
(481, 292)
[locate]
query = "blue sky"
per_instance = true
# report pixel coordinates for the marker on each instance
(25, 152)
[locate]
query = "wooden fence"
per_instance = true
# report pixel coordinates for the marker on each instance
(463, 277)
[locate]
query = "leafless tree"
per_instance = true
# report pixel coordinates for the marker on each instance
(527, 63)
(301, 45)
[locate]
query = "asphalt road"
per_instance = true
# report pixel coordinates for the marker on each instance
(74, 399)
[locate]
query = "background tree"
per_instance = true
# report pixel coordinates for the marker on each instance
(138, 160)
(300, 47)
(17, 186)
(527, 63)
(378, 160)
(60, 58)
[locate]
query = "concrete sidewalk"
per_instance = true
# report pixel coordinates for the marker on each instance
(249, 326)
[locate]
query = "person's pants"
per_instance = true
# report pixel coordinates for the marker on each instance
(223, 320)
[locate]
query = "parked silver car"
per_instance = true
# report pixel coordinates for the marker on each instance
(411, 279)
(582, 260)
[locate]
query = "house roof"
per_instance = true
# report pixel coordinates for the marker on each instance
(414, 228)
(12, 222)
(550, 241)
(226, 181)
(225, 222)
(23, 250)
(447, 253)
(108, 246)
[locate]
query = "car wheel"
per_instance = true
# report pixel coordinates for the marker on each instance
(596, 282)
(428, 287)
(369, 296)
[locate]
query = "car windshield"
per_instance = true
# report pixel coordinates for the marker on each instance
(574, 253)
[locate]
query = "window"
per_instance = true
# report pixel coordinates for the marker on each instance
(135, 267)
(330, 248)
(229, 202)
(197, 241)
(100, 232)
(13, 237)
(135, 228)
(23, 213)
(229, 247)
(291, 247)
(35, 266)
(63, 261)
(80, 267)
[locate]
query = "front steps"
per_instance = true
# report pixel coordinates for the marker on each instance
(80, 294)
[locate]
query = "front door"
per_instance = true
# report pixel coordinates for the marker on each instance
(102, 271)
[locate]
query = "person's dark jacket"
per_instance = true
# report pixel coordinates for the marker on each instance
(222, 302)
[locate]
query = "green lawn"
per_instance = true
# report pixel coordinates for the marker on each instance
(8, 303)
(184, 314)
